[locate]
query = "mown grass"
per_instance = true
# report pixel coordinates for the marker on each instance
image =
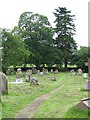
(22, 94)
(57, 106)
(68, 96)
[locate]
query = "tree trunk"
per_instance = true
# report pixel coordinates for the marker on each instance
(65, 63)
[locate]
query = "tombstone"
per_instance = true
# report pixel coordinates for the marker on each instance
(45, 71)
(19, 71)
(56, 71)
(73, 72)
(29, 72)
(51, 70)
(87, 84)
(38, 72)
(53, 78)
(4, 83)
(34, 80)
(84, 75)
(18, 79)
(34, 70)
(84, 104)
(80, 71)
(27, 77)
(41, 73)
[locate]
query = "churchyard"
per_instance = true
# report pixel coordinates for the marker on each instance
(63, 95)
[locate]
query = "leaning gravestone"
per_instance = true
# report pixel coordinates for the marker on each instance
(4, 83)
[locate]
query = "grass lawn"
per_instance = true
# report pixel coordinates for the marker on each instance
(59, 105)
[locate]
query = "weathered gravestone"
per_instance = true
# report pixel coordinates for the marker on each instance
(87, 84)
(3, 83)
(51, 70)
(53, 78)
(34, 70)
(29, 72)
(34, 80)
(56, 71)
(41, 73)
(80, 71)
(27, 77)
(73, 72)
(18, 79)
(45, 71)
(84, 104)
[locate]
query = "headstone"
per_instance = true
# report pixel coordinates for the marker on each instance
(34, 80)
(84, 104)
(45, 71)
(84, 75)
(4, 83)
(80, 71)
(56, 71)
(73, 72)
(18, 79)
(51, 70)
(27, 77)
(19, 71)
(53, 78)
(29, 72)
(41, 73)
(38, 72)
(34, 70)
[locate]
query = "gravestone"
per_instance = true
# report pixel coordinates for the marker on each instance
(45, 71)
(73, 72)
(84, 75)
(51, 70)
(41, 73)
(4, 83)
(34, 80)
(80, 71)
(18, 79)
(19, 71)
(87, 84)
(34, 70)
(56, 71)
(29, 72)
(84, 104)
(27, 77)
(53, 78)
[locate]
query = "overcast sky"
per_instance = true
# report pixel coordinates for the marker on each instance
(10, 11)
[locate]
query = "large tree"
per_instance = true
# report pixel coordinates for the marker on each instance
(14, 51)
(37, 34)
(65, 29)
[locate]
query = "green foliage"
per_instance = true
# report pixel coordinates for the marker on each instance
(38, 36)
(80, 57)
(65, 29)
(14, 52)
